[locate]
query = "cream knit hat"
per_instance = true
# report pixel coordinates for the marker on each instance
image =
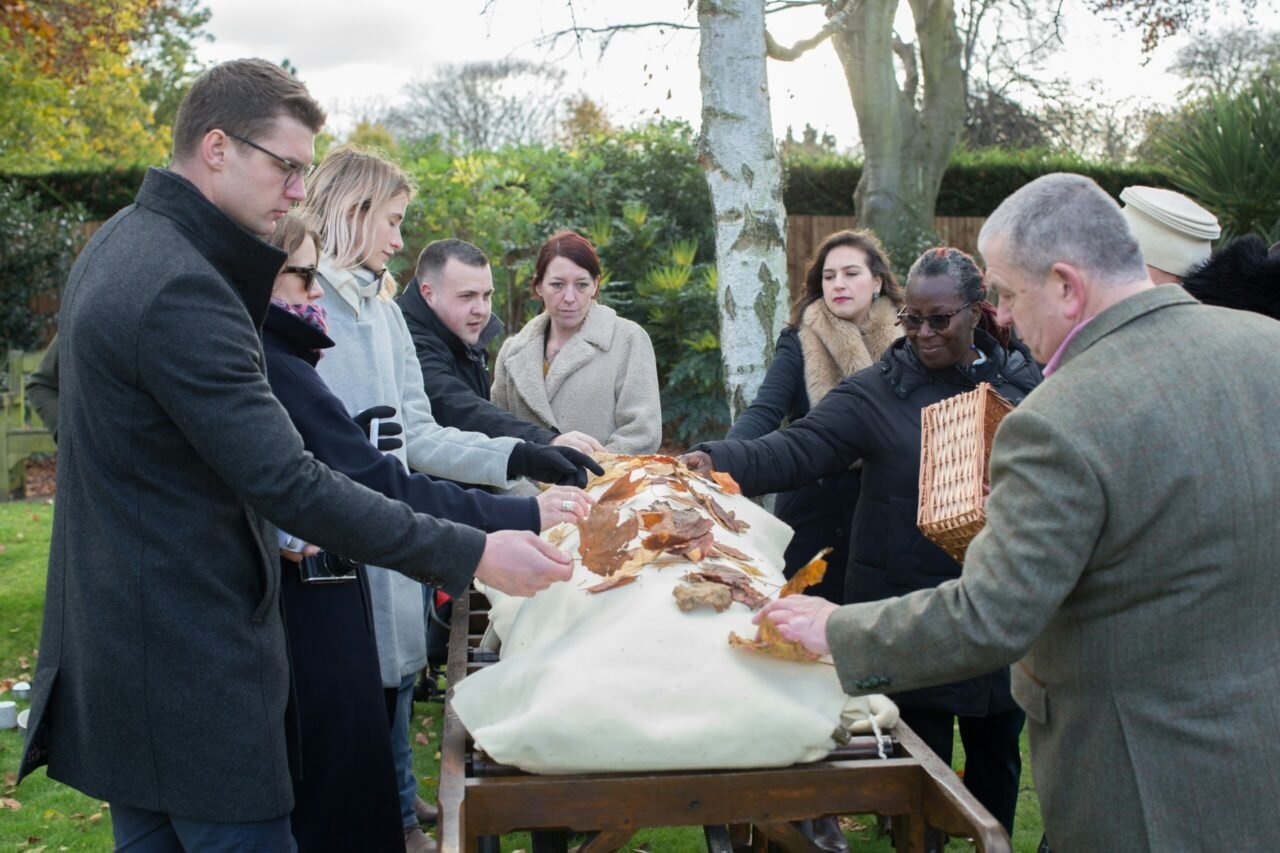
(1173, 232)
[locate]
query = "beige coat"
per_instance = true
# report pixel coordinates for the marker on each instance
(604, 382)
(1131, 554)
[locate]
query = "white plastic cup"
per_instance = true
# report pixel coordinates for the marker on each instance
(8, 714)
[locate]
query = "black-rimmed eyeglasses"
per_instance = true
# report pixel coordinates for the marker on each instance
(296, 170)
(308, 274)
(937, 322)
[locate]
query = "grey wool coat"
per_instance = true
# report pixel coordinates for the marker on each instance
(1130, 560)
(604, 382)
(163, 676)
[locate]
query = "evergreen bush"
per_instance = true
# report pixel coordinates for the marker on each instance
(36, 251)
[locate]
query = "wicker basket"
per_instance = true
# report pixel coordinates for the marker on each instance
(955, 445)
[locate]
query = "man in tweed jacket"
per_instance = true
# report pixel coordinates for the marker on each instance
(1128, 566)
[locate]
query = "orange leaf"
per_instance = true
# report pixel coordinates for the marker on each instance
(769, 642)
(809, 574)
(604, 538)
(726, 482)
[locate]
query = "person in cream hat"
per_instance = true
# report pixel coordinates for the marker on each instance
(1173, 232)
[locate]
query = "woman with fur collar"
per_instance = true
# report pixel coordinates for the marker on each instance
(841, 324)
(578, 365)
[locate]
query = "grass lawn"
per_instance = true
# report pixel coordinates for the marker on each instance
(46, 815)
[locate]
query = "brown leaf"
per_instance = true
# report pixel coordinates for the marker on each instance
(609, 475)
(702, 594)
(559, 533)
(637, 560)
(726, 482)
(808, 575)
(739, 586)
(695, 550)
(613, 582)
(427, 722)
(421, 739)
(95, 818)
(10, 779)
(604, 538)
(769, 642)
(9, 803)
(23, 662)
(675, 483)
(623, 489)
(667, 538)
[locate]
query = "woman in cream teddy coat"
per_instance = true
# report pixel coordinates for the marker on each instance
(578, 365)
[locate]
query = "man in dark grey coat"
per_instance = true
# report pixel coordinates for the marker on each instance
(163, 678)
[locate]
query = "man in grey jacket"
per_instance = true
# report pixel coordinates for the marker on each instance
(163, 677)
(1128, 562)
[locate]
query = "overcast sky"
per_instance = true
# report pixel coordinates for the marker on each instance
(356, 57)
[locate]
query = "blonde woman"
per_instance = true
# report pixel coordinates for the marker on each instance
(578, 365)
(358, 199)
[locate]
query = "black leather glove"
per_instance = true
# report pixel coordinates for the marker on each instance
(387, 429)
(560, 466)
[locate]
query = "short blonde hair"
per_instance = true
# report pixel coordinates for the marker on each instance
(351, 180)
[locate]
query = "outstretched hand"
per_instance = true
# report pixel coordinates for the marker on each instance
(562, 466)
(697, 461)
(552, 503)
(579, 441)
(517, 562)
(801, 619)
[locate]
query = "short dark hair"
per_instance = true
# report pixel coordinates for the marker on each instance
(241, 97)
(877, 265)
(571, 245)
(432, 259)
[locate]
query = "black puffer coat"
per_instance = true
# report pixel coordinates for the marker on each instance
(874, 415)
(818, 512)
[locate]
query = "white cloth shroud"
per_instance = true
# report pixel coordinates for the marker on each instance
(623, 680)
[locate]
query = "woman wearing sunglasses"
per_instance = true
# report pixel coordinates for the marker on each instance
(347, 797)
(951, 344)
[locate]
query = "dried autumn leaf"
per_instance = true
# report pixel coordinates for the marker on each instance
(622, 490)
(609, 476)
(421, 739)
(726, 482)
(769, 642)
(638, 559)
(738, 585)
(690, 596)
(659, 469)
(604, 538)
(669, 537)
(9, 803)
(559, 533)
(613, 582)
(695, 550)
(808, 575)
(724, 516)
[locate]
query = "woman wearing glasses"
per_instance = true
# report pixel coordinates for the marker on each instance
(843, 321)
(347, 797)
(951, 344)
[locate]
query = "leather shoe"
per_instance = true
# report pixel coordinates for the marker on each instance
(417, 841)
(426, 813)
(827, 835)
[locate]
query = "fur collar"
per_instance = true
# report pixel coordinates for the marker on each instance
(835, 348)
(1240, 275)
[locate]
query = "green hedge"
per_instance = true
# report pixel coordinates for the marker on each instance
(99, 194)
(974, 184)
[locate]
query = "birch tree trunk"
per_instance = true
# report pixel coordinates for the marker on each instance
(910, 129)
(744, 174)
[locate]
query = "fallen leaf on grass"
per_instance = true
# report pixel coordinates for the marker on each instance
(10, 779)
(604, 538)
(95, 818)
(690, 596)
(421, 739)
(426, 722)
(10, 803)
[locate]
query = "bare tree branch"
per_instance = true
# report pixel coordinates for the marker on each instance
(834, 24)
(551, 39)
(907, 55)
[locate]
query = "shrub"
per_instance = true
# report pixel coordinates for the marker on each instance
(36, 250)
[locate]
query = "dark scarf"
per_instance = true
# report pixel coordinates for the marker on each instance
(314, 315)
